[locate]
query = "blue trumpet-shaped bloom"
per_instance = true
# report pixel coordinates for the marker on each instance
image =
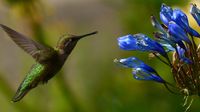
(140, 42)
(133, 62)
(166, 14)
(195, 13)
(142, 74)
(162, 36)
(182, 57)
(180, 18)
(174, 35)
(178, 33)
(127, 42)
(141, 71)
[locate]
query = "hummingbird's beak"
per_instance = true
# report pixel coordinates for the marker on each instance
(85, 35)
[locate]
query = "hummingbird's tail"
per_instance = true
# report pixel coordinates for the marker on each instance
(20, 94)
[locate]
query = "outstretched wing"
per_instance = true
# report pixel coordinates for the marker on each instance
(33, 48)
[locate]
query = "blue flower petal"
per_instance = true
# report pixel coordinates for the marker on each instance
(147, 43)
(181, 54)
(133, 62)
(166, 14)
(195, 12)
(193, 32)
(178, 33)
(140, 42)
(181, 44)
(180, 18)
(127, 42)
(142, 74)
(141, 71)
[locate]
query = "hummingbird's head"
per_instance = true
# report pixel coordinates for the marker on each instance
(66, 44)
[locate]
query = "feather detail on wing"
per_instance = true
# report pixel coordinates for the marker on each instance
(33, 48)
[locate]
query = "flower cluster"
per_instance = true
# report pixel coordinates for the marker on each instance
(173, 35)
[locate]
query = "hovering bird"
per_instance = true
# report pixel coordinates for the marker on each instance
(48, 60)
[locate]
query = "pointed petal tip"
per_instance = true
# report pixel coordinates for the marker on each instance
(163, 5)
(115, 60)
(193, 4)
(152, 16)
(143, 74)
(195, 12)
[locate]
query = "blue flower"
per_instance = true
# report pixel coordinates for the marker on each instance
(181, 54)
(162, 36)
(166, 14)
(142, 74)
(180, 18)
(127, 42)
(178, 33)
(140, 42)
(141, 71)
(167, 40)
(133, 62)
(195, 13)
(177, 36)
(173, 36)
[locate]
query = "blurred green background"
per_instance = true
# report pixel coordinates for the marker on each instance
(89, 80)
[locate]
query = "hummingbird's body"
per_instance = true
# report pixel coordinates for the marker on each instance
(48, 60)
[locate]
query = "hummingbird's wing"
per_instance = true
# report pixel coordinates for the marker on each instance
(33, 48)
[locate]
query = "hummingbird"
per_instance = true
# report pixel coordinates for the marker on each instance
(48, 60)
